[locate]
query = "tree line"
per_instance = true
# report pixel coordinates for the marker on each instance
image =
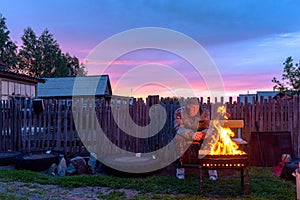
(38, 56)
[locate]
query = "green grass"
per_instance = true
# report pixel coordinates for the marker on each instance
(113, 195)
(263, 185)
(10, 197)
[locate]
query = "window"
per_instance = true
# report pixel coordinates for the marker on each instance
(23, 90)
(11, 88)
(27, 90)
(32, 91)
(17, 88)
(4, 87)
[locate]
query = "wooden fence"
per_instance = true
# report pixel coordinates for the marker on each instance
(24, 129)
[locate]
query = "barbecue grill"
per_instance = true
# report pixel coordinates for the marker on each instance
(239, 162)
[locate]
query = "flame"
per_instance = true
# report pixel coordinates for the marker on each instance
(224, 145)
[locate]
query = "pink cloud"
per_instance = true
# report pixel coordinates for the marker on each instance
(129, 62)
(141, 62)
(245, 82)
(83, 50)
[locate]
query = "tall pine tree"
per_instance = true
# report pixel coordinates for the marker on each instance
(8, 49)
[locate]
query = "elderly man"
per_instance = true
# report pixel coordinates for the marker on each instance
(191, 125)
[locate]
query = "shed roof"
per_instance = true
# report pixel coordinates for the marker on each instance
(85, 86)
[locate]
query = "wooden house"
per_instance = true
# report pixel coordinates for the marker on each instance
(16, 85)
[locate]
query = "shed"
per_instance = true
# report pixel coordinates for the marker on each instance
(14, 84)
(62, 87)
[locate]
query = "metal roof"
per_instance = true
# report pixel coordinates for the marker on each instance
(258, 95)
(85, 86)
(249, 97)
(266, 94)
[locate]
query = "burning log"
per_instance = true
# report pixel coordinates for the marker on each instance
(220, 150)
(220, 141)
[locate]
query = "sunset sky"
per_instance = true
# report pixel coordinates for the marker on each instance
(247, 40)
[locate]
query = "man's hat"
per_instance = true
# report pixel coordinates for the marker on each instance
(193, 101)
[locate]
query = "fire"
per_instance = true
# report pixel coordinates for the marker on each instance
(224, 145)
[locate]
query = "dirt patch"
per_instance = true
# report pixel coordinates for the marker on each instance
(35, 191)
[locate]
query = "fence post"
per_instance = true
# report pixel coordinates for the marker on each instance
(298, 182)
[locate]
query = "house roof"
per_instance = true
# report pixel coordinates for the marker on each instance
(258, 96)
(266, 94)
(85, 86)
(249, 97)
(4, 73)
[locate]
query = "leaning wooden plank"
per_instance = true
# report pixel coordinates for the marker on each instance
(233, 123)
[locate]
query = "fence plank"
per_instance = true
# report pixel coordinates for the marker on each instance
(49, 123)
(296, 125)
(66, 111)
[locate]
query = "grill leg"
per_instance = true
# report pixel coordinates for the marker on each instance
(242, 178)
(201, 180)
(247, 181)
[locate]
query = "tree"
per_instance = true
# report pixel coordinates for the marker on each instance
(8, 49)
(74, 67)
(38, 56)
(81, 70)
(290, 78)
(51, 56)
(29, 54)
(42, 56)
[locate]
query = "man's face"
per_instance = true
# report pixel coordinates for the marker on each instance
(193, 109)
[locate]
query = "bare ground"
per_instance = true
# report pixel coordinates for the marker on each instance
(35, 191)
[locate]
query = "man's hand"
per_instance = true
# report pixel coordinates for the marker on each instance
(199, 136)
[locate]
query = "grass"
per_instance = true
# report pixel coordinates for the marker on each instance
(113, 195)
(263, 185)
(10, 197)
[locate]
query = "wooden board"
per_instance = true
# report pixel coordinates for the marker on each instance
(273, 145)
(234, 123)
